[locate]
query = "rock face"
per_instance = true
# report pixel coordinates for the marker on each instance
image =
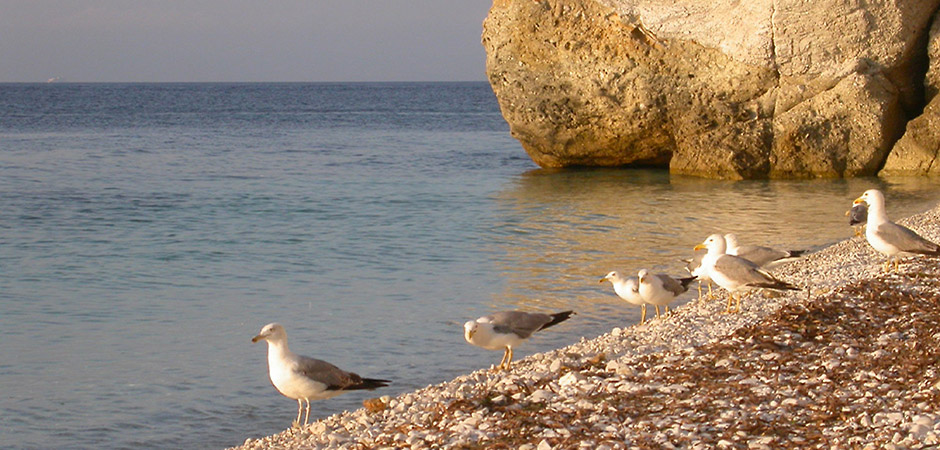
(721, 89)
(916, 153)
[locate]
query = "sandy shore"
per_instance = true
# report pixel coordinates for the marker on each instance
(849, 362)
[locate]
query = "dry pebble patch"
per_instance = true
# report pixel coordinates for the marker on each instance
(850, 363)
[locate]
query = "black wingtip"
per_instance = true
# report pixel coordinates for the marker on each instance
(558, 318)
(685, 282)
(372, 383)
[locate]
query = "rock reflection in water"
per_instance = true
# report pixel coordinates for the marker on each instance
(558, 231)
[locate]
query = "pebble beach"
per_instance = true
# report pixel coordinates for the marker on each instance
(849, 361)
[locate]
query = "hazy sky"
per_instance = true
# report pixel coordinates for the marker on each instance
(242, 40)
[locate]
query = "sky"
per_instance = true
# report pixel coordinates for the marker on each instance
(241, 40)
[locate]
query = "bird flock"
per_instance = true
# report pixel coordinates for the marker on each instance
(719, 260)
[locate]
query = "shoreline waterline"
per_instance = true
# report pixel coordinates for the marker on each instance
(457, 413)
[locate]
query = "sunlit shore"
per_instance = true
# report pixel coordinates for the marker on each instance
(849, 361)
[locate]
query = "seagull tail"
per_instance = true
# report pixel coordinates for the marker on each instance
(796, 253)
(558, 318)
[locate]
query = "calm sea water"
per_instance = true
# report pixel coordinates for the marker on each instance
(147, 232)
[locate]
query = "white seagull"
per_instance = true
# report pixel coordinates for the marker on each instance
(507, 329)
(304, 379)
(889, 238)
(760, 255)
(661, 289)
(627, 288)
(735, 273)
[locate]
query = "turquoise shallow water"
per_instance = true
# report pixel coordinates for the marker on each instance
(147, 232)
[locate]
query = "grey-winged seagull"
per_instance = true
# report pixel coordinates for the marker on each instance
(889, 238)
(627, 288)
(858, 215)
(661, 289)
(758, 254)
(304, 379)
(507, 329)
(735, 273)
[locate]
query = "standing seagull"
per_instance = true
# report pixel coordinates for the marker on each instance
(507, 329)
(661, 289)
(628, 290)
(735, 273)
(858, 215)
(762, 256)
(889, 238)
(304, 379)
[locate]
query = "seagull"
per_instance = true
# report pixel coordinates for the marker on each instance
(762, 256)
(858, 215)
(660, 289)
(735, 273)
(507, 329)
(627, 289)
(693, 265)
(889, 238)
(304, 379)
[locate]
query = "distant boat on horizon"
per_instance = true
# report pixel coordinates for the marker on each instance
(54, 80)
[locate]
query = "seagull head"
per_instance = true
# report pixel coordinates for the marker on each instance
(469, 329)
(869, 197)
(271, 332)
(714, 243)
(612, 277)
(642, 274)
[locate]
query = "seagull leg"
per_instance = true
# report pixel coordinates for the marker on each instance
(700, 290)
(710, 294)
(509, 359)
(299, 407)
(502, 362)
(307, 415)
(667, 309)
(643, 313)
(657, 311)
(730, 300)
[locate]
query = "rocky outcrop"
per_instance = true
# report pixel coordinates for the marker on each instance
(720, 89)
(917, 151)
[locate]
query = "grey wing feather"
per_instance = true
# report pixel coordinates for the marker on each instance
(761, 255)
(905, 239)
(671, 284)
(521, 323)
(333, 377)
(739, 269)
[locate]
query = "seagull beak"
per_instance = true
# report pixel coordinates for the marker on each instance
(602, 280)
(470, 334)
(257, 338)
(858, 200)
(699, 247)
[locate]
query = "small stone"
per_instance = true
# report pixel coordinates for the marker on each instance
(541, 396)
(544, 445)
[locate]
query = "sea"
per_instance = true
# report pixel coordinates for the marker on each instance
(149, 231)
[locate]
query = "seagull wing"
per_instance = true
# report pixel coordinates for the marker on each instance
(905, 239)
(521, 323)
(321, 371)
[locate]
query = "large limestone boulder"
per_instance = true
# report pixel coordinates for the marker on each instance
(917, 151)
(721, 89)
